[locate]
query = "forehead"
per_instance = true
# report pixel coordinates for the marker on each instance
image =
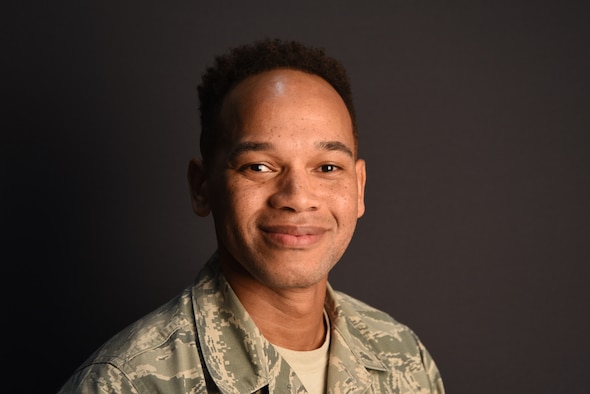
(280, 81)
(284, 100)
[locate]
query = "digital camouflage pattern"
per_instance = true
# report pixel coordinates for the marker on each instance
(204, 341)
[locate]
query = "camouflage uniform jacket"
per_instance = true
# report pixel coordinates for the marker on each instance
(204, 341)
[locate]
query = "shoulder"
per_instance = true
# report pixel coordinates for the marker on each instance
(148, 354)
(371, 322)
(374, 334)
(152, 332)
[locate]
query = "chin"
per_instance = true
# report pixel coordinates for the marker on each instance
(292, 277)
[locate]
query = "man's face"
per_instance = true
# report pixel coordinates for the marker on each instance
(286, 190)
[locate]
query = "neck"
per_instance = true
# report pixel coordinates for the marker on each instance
(291, 318)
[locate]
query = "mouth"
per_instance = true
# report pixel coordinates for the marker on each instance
(289, 236)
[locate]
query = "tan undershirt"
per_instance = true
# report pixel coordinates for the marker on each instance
(311, 366)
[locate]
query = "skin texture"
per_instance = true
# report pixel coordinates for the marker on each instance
(285, 192)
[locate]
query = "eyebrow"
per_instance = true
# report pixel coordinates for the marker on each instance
(244, 147)
(335, 145)
(252, 146)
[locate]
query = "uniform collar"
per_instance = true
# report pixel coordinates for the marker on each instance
(355, 334)
(239, 358)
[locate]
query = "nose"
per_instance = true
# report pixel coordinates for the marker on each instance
(295, 192)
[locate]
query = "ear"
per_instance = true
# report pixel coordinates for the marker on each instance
(199, 187)
(361, 178)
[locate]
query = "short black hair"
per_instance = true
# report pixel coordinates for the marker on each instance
(265, 55)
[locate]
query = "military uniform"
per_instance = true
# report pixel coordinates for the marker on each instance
(204, 341)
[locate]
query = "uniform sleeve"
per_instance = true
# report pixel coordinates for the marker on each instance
(434, 377)
(98, 379)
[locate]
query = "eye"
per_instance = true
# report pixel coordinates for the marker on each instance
(257, 167)
(328, 168)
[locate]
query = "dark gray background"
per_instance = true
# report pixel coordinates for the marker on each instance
(473, 120)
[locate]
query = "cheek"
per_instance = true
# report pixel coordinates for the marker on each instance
(345, 202)
(240, 201)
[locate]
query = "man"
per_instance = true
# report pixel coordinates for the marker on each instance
(281, 177)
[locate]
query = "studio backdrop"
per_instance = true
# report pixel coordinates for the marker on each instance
(473, 120)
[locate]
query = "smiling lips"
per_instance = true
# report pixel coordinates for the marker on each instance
(290, 236)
